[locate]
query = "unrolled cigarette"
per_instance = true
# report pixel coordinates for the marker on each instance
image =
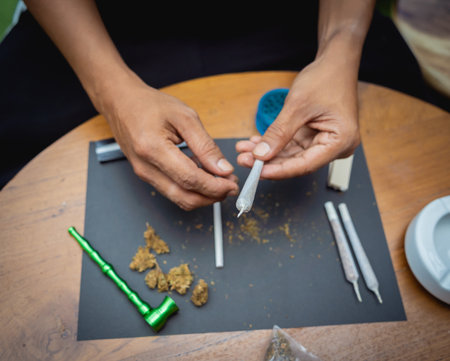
(218, 235)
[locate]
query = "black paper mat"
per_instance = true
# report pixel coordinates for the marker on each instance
(270, 277)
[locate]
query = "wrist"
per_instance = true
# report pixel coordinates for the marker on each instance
(346, 42)
(342, 51)
(109, 85)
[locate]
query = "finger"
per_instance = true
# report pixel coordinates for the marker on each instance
(248, 145)
(233, 178)
(204, 147)
(255, 138)
(278, 135)
(183, 171)
(304, 163)
(245, 146)
(185, 199)
(245, 159)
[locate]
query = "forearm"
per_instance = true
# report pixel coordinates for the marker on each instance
(145, 122)
(77, 29)
(342, 29)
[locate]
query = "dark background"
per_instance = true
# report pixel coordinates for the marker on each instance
(41, 99)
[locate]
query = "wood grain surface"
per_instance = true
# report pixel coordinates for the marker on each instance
(407, 145)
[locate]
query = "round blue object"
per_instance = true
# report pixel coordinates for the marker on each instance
(269, 107)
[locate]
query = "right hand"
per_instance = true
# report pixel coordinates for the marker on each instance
(148, 124)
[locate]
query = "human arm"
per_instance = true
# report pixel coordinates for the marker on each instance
(147, 123)
(319, 120)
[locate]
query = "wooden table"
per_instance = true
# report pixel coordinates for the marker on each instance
(407, 144)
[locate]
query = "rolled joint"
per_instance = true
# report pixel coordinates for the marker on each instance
(242, 206)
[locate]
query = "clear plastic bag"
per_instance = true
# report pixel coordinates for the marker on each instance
(283, 347)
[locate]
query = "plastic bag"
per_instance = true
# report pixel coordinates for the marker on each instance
(283, 347)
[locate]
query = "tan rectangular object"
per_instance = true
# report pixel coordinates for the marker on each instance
(339, 172)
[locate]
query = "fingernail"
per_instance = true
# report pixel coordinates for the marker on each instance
(224, 165)
(261, 149)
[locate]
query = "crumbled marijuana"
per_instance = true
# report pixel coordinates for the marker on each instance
(151, 279)
(286, 229)
(154, 242)
(143, 260)
(283, 347)
(200, 293)
(262, 214)
(157, 278)
(180, 278)
(250, 226)
(279, 349)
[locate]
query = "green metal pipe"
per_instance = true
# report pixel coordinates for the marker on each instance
(155, 317)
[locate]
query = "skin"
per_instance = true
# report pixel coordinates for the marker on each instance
(317, 124)
(319, 120)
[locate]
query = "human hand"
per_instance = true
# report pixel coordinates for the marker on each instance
(317, 124)
(148, 124)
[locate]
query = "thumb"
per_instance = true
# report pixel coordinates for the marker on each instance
(276, 137)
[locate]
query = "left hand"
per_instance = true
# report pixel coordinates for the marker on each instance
(317, 124)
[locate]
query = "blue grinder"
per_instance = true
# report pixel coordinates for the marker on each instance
(269, 107)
